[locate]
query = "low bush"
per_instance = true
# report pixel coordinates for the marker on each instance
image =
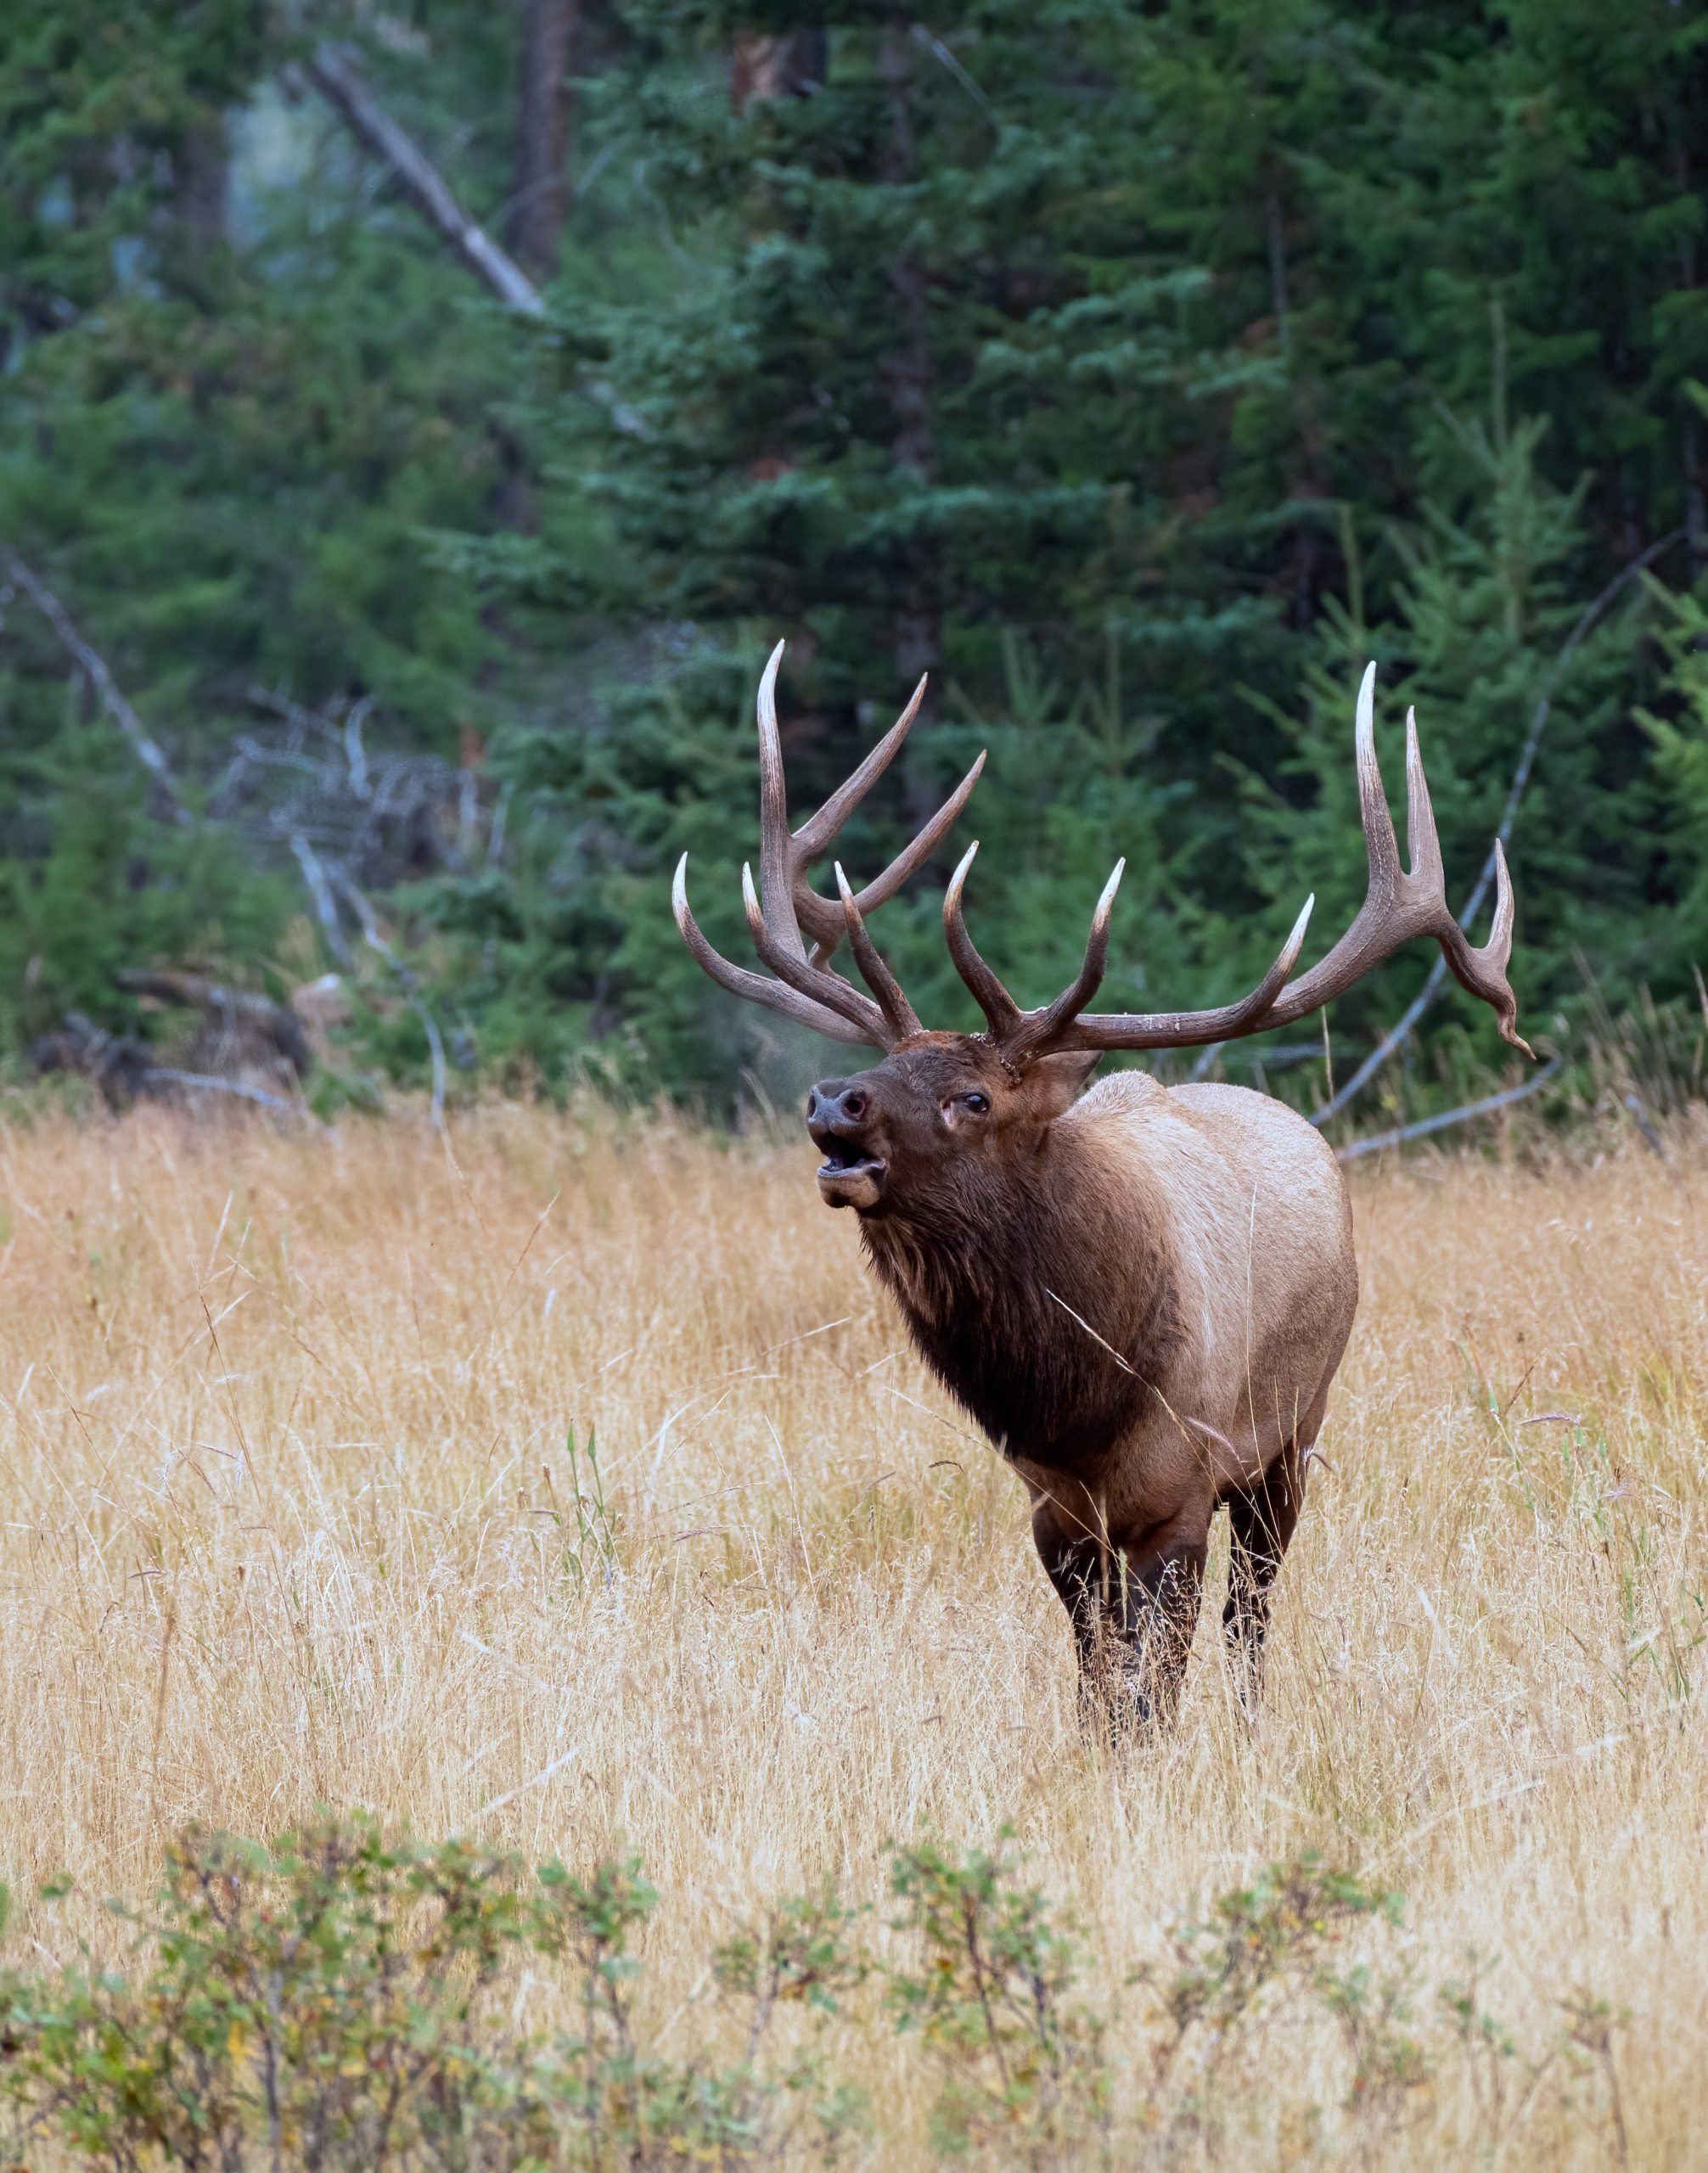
(348, 1999)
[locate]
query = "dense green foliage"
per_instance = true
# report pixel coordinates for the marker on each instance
(1137, 372)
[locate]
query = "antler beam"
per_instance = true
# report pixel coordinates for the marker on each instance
(1399, 905)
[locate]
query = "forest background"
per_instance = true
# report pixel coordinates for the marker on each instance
(388, 598)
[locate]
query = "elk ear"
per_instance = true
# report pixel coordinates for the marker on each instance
(1054, 1083)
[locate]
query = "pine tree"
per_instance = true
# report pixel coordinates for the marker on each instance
(1487, 621)
(1093, 356)
(232, 407)
(916, 408)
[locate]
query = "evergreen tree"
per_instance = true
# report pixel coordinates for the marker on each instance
(1114, 356)
(1681, 745)
(918, 409)
(1486, 625)
(234, 404)
(1093, 356)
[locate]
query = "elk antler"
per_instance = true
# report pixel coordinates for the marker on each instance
(1398, 905)
(785, 904)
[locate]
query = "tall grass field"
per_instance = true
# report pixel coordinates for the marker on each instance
(566, 1484)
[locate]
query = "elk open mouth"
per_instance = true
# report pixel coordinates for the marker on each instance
(849, 1176)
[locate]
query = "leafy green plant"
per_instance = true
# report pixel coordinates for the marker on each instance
(330, 2003)
(1390, 2066)
(1261, 1947)
(990, 1997)
(349, 1999)
(589, 1532)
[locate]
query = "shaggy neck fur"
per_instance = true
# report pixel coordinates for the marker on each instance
(991, 1267)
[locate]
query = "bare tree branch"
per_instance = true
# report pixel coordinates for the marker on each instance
(238, 1086)
(93, 667)
(320, 890)
(407, 982)
(1355, 1149)
(1437, 974)
(940, 53)
(334, 74)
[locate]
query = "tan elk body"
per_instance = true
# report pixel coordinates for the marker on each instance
(1141, 1294)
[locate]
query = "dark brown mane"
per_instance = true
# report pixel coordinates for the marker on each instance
(1003, 1271)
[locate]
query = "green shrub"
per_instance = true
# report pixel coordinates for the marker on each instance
(331, 2002)
(1023, 2065)
(347, 1999)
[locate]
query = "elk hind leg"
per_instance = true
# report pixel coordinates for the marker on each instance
(1261, 1521)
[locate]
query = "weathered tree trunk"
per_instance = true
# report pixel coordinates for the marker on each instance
(201, 172)
(540, 200)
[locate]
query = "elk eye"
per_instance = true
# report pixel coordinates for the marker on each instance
(977, 1104)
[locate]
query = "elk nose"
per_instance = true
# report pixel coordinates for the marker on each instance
(829, 1105)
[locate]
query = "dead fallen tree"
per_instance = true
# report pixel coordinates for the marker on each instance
(350, 816)
(307, 780)
(239, 1045)
(332, 69)
(1378, 1143)
(334, 72)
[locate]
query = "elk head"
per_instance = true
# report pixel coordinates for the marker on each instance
(943, 1113)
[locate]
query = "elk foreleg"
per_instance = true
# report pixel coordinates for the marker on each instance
(1134, 1600)
(1262, 1520)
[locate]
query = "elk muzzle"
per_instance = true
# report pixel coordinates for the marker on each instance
(842, 1120)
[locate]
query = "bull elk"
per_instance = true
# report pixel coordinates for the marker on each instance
(1141, 1293)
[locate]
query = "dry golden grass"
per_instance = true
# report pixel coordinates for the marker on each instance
(283, 1423)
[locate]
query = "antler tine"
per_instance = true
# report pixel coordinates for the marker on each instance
(822, 920)
(754, 987)
(902, 1019)
(1498, 948)
(1269, 990)
(914, 856)
(810, 991)
(1423, 845)
(777, 865)
(1040, 1028)
(818, 983)
(820, 831)
(793, 909)
(1379, 843)
(1483, 972)
(1001, 1014)
(1159, 1030)
(1398, 907)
